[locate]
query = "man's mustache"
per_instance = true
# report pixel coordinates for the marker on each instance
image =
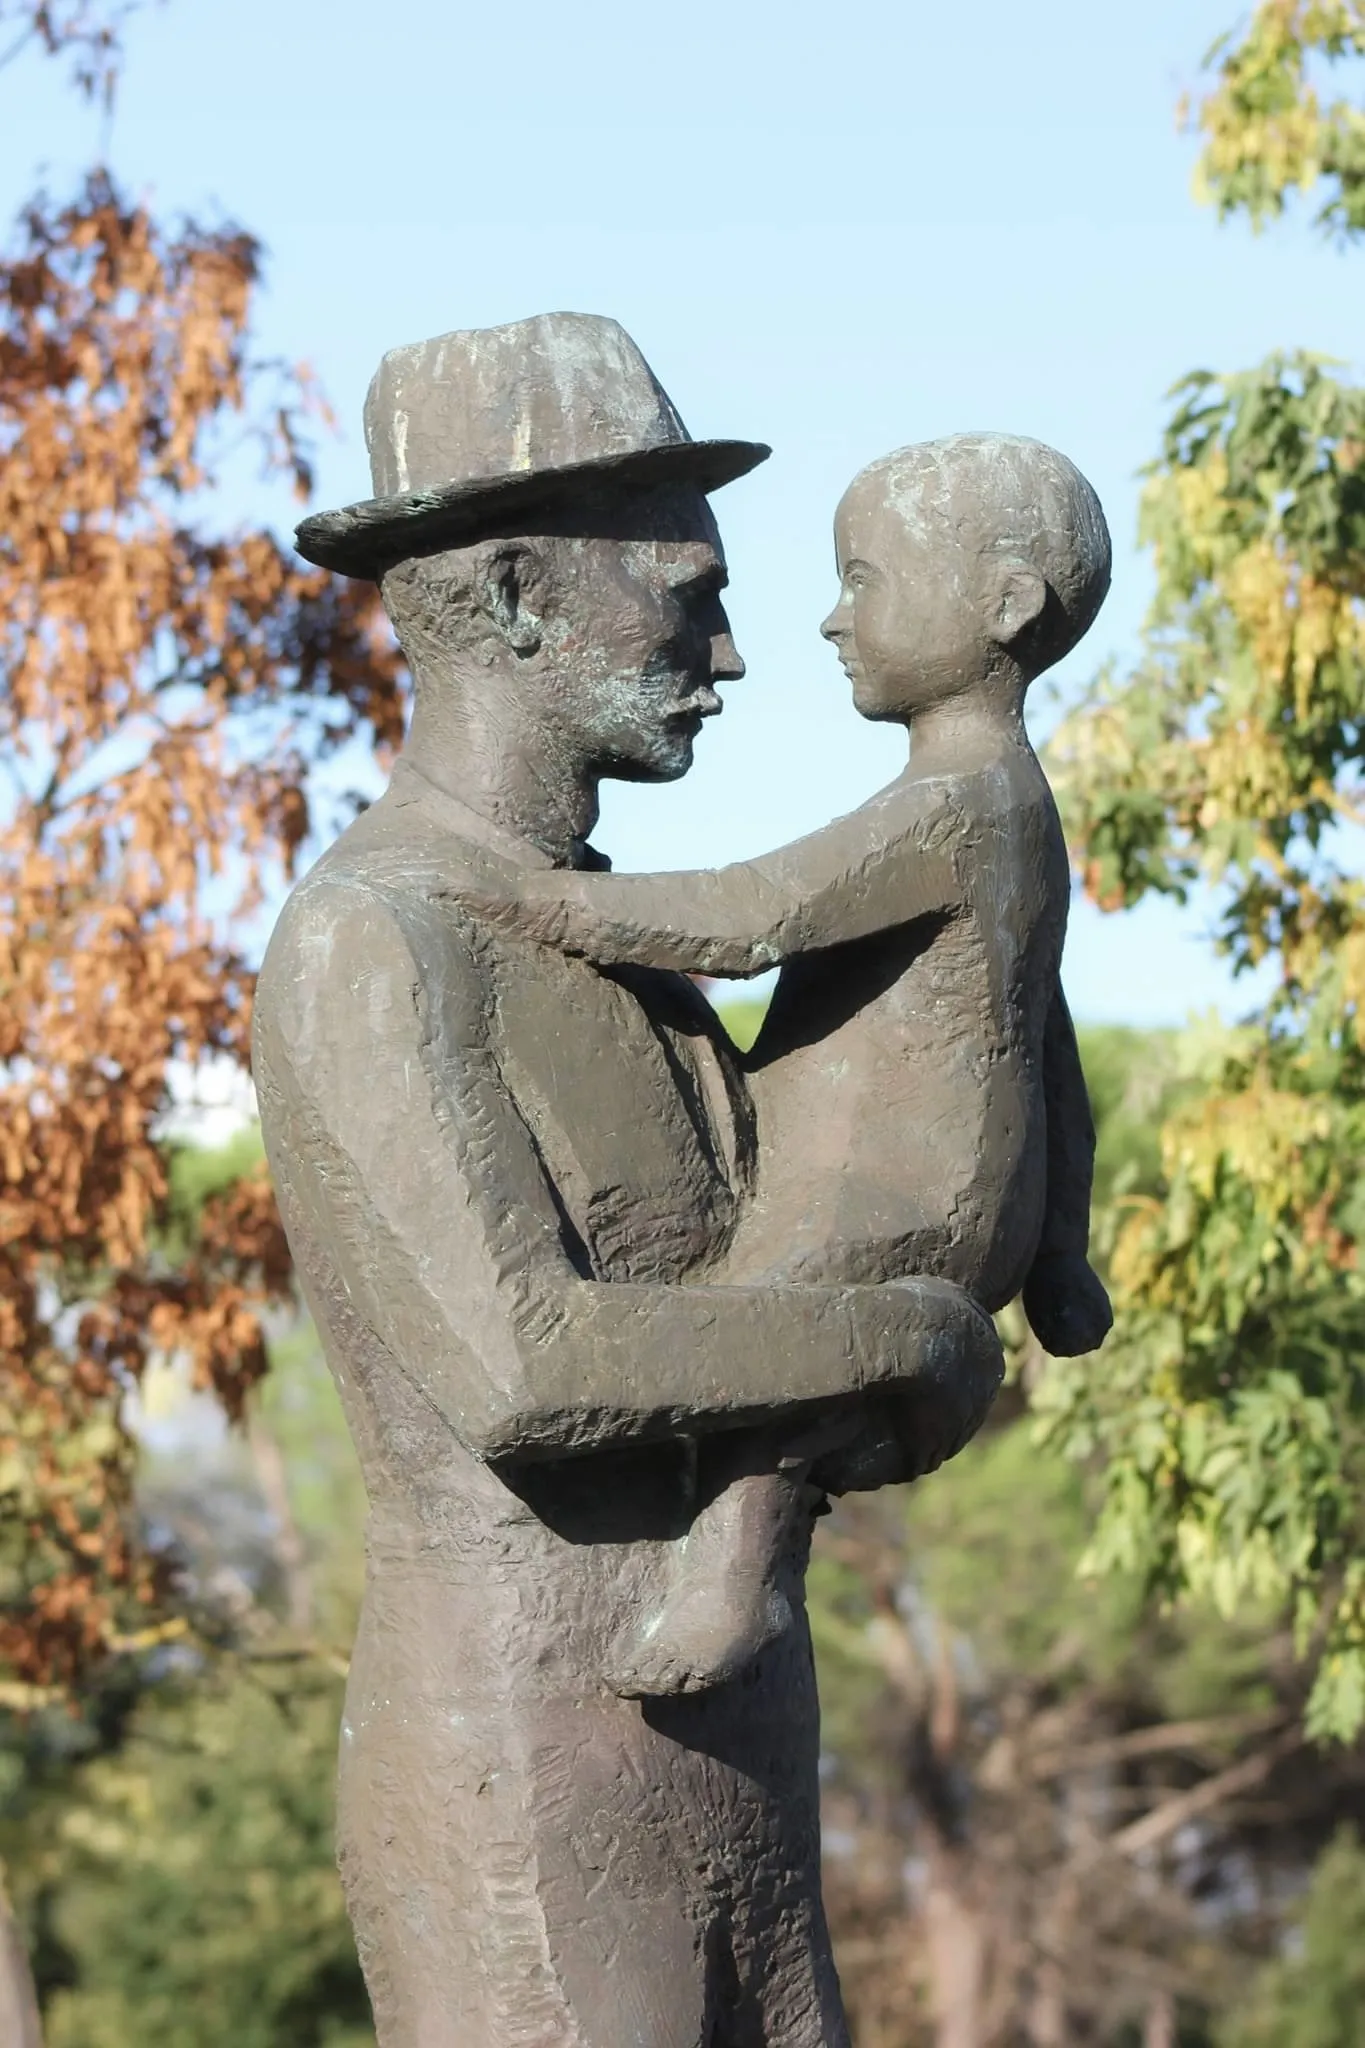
(698, 697)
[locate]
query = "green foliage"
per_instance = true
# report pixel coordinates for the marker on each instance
(197, 1173)
(1314, 1996)
(170, 1850)
(997, 1537)
(1229, 754)
(188, 1897)
(743, 1020)
(1230, 1406)
(842, 1612)
(1133, 1078)
(1268, 133)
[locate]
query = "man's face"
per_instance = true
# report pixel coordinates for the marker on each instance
(636, 639)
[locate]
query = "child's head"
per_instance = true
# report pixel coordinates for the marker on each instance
(979, 556)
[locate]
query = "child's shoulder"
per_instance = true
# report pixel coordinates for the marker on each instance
(1003, 777)
(933, 800)
(917, 791)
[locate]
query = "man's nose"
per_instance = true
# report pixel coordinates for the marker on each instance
(726, 664)
(837, 624)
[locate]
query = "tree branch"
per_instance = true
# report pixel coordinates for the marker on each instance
(1172, 1815)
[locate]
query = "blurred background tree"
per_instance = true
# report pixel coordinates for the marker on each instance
(1229, 1411)
(172, 1847)
(169, 682)
(1056, 1814)
(168, 685)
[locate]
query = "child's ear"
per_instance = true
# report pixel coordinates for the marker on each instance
(1018, 602)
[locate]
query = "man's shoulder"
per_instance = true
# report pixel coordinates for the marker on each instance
(371, 908)
(338, 900)
(375, 874)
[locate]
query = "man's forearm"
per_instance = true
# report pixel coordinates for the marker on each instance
(625, 1363)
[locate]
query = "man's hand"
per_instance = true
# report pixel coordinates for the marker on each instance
(1067, 1307)
(914, 1428)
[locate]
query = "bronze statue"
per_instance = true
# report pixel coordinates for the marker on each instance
(603, 1342)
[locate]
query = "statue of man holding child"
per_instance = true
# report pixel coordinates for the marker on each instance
(614, 1309)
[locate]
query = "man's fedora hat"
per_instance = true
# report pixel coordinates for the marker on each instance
(471, 428)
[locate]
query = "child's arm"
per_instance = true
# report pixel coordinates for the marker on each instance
(884, 865)
(1064, 1298)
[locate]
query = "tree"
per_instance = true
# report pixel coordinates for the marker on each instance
(1314, 1997)
(1230, 1406)
(171, 1848)
(1053, 1813)
(89, 32)
(198, 1903)
(167, 687)
(1268, 135)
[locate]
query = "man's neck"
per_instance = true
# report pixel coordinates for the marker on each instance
(468, 742)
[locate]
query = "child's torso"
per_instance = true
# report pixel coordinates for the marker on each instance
(898, 1082)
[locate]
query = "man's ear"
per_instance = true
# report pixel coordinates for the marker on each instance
(1018, 602)
(510, 583)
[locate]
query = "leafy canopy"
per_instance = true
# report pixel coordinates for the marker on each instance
(1268, 133)
(166, 684)
(1229, 1403)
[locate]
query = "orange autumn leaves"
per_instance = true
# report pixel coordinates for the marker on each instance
(164, 692)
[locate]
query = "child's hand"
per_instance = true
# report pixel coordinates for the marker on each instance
(1067, 1307)
(614, 920)
(539, 907)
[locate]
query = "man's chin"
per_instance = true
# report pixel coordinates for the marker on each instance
(667, 760)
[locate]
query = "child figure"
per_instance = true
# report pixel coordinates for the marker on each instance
(918, 1092)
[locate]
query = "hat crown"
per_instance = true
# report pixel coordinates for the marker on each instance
(532, 396)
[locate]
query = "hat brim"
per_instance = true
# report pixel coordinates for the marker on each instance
(365, 539)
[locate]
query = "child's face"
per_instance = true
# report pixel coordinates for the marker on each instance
(909, 625)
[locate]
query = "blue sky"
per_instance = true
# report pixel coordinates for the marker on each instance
(836, 230)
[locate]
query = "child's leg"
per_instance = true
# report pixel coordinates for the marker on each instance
(725, 1603)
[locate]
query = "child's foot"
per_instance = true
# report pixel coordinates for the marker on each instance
(701, 1636)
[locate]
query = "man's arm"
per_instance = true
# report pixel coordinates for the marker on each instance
(379, 1079)
(893, 860)
(1064, 1299)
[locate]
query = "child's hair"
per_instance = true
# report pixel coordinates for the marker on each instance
(1038, 508)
